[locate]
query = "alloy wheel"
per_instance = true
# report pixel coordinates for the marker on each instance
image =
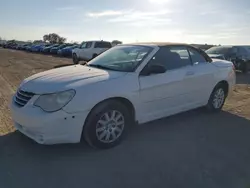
(110, 126)
(219, 97)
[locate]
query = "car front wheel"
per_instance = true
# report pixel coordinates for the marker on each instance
(217, 98)
(106, 125)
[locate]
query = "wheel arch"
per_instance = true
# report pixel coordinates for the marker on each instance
(126, 102)
(225, 84)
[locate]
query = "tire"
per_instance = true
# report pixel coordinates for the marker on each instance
(217, 98)
(75, 59)
(99, 132)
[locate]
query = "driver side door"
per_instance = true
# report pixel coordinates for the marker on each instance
(169, 92)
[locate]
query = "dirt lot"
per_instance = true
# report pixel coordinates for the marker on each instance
(192, 149)
(14, 67)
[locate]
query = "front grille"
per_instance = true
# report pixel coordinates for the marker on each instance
(22, 97)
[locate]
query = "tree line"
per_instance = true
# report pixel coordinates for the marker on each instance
(54, 38)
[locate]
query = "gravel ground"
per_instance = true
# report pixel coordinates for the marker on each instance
(192, 149)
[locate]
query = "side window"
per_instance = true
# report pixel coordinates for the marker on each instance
(196, 56)
(89, 44)
(107, 45)
(98, 45)
(102, 45)
(86, 45)
(171, 57)
(83, 45)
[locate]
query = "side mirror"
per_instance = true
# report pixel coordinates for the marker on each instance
(154, 69)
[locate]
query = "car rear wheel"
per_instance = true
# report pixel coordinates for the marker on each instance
(217, 98)
(106, 125)
(75, 59)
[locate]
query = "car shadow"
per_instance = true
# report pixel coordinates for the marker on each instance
(212, 149)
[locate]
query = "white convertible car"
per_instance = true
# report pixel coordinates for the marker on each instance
(131, 83)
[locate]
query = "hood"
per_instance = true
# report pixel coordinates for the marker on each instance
(69, 77)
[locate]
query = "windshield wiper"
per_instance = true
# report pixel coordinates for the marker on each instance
(100, 67)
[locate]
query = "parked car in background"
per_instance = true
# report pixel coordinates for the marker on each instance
(67, 51)
(10, 44)
(47, 49)
(36, 47)
(18, 46)
(2, 43)
(32, 48)
(248, 47)
(100, 100)
(28, 47)
(41, 47)
(22, 46)
(89, 50)
(239, 55)
(55, 49)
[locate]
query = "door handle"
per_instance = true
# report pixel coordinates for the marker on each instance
(190, 73)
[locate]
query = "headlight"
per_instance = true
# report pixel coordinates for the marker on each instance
(54, 102)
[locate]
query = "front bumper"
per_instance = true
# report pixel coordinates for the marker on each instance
(48, 128)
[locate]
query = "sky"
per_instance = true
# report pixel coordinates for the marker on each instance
(188, 21)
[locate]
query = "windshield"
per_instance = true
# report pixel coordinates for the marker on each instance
(218, 50)
(121, 58)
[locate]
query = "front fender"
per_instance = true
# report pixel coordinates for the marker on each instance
(90, 95)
